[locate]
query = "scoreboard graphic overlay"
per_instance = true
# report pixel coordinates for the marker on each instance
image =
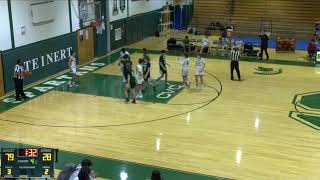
(28, 162)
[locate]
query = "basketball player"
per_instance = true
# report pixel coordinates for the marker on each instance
(73, 69)
(125, 60)
(130, 82)
(146, 70)
(123, 52)
(163, 68)
(139, 78)
(185, 70)
(200, 65)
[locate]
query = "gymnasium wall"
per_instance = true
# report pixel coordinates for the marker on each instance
(134, 28)
(141, 26)
(75, 23)
(139, 7)
(5, 34)
(22, 17)
(139, 21)
(43, 58)
(135, 7)
(44, 47)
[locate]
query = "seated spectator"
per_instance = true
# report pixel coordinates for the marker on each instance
(239, 44)
(186, 44)
(317, 31)
(205, 44)
(316, 37)
(229, 43)
(156, 175)
(220, 45)
(230, 27)
(83, 171)
(312, 47)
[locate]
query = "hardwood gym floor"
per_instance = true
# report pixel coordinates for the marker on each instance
(250, 129)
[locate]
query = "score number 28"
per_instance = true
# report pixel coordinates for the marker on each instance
(46, 157)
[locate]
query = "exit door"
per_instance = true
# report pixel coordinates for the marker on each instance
(85, 45)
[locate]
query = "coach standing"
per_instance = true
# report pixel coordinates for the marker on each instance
(264, 44)
(18, 77)
(235, 56)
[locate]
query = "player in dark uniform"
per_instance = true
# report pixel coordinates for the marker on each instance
(130, 81)
(147, 69)
(125, 60)
(163, 67)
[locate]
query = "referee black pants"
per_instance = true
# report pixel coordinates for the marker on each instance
(235, 66)
(18, 85)
(265, 49)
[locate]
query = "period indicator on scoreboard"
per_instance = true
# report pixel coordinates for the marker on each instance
(28, 162)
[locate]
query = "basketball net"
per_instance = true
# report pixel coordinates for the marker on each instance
(100, 25)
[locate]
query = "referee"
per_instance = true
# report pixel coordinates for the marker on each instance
(264, 44)
(18, 77)
(235, 56)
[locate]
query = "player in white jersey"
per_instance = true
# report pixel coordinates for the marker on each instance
(205, 45)
(185, 69)
(139, 78)
(200, 65)
(123, 52)
(73, 68)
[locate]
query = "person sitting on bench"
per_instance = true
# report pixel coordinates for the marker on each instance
(229, 43)
(239, 44)
(312, 47)
(205, 45)
(220, 45)
(186, 44)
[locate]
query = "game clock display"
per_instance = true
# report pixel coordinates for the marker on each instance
(28, 162)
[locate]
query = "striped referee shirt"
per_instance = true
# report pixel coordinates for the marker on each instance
(235, 55)
(18, 70)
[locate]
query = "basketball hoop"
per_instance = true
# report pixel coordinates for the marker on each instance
(90, 12)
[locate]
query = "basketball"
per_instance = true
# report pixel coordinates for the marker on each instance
(27, 73)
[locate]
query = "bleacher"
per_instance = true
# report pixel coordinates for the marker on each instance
(286, 16)
(206, 12)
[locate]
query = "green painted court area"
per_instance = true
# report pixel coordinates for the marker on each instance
(111, 168)
(307, 109)
(311, 100)
(312, 119)
(112, 86)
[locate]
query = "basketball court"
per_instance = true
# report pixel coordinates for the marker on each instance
(265, 126)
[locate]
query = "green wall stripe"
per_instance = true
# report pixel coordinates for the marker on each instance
(133, 28)
(38, 53)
